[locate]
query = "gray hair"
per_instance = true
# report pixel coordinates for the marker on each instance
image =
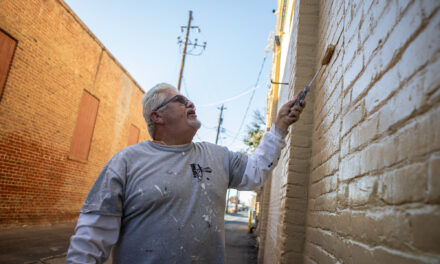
(152, 99)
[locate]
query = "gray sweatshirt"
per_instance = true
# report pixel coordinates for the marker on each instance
(165, 204)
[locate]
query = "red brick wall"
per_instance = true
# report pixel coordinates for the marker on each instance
(56, 59)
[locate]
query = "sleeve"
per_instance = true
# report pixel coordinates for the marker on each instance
(106, 195)
(263, 160)
(99, 222)
(93, 239)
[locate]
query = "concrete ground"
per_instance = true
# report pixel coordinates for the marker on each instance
(48, 244)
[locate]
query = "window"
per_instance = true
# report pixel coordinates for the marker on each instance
(133, 135)
(7, 48)
(85, 124)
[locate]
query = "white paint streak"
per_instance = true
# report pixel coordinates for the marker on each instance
(157, 187)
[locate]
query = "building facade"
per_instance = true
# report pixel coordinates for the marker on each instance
(66, 107)
(359, 180)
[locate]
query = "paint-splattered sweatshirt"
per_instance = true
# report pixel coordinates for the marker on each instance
(165, 204)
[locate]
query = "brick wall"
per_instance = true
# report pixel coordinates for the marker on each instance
(373, 180)
(284, 239)
(56, 59)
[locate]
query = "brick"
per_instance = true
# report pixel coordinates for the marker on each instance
(292, 257)
(323, 239)
(343, 223)
(295, 217)
(401, 105)
(429, 7)
(385, 15)
(382, 90)
(294, 238)
(421, 49)
(297, 178)
(353, 16)
(371, 158)
(350, 166)
(319, 255)
(360, 253)
(352, 71)
(392, 227)
(326, 185)
(419, 137)
(390, 150)
(352, 118)
(342, 195)
(295, 191)
(346, 102)
(56, 59)
(434, 179)
(295, 204)
(345, 146)
(300, 166)
(373, 175)
(361, 191)
(326, 202)
(425, 230)
(407, 26)
(407, 184)
(431, 79)
(383, 255)
(327, 168)
(364, 133)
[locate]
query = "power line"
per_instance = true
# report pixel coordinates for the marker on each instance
(186, 87)
(231, 98)
(250, 99)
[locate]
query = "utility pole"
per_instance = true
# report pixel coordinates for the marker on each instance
(186, 43)
(220, 121)
(184, 49)
(227, 201)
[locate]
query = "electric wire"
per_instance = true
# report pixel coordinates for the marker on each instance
(186, 87)
(250, 99)
(230, 98)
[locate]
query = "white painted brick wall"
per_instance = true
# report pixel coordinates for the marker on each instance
(373, 168)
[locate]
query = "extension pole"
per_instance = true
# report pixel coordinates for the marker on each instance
(184, 50)
(220, 120)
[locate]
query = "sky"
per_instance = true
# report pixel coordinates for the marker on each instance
(142, 36)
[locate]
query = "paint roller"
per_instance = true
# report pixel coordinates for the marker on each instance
(325, 60)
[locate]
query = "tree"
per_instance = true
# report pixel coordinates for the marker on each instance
(255, 132)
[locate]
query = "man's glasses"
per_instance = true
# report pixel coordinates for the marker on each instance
(178, 98)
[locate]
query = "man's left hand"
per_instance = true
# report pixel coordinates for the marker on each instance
(289, 114)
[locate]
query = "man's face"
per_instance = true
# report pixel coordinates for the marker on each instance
(180, 115)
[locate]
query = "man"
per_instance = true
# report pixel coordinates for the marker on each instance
(163, 201)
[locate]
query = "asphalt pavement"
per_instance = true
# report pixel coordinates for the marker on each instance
(48, 244)
(240, 244)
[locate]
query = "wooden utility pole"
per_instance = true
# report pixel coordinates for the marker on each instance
(220, 120)
(184, 50)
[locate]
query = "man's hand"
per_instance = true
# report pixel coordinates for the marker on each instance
(289, 114)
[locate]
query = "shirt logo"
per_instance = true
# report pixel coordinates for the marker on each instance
(198, 171)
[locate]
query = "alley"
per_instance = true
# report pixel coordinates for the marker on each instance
(240, 245)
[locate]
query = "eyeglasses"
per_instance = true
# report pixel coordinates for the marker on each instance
(179, 98)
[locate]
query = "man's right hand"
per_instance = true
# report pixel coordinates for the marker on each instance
(289, 114)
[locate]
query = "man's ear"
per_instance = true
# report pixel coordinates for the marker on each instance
(156, 117)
